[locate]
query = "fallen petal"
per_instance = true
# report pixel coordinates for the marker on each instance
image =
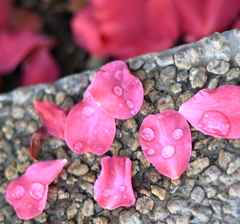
(113, 188)
(28, 193)
(215, 112)
(36, 141)
(52, 117)
(121, 94)
(166, 142)
(88, 128)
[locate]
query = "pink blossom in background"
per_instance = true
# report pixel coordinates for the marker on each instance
(113, 188)
(5, 10)
(28, 193)
(41, 67)
(125, 29)
(201, 18)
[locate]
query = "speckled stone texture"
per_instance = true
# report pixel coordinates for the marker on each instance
(209, 190)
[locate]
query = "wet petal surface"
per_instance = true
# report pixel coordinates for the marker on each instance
(113, 188)
(121, 94)
(170, 149)
(28, 193)
(215, 112)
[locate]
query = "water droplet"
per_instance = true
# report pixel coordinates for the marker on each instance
(122, 188)
(105, 75)
(78, 146)
(88, 111)
(144, 148)
(160, 116)
(132, 112)
(106, 130)
(215, 122)
(99, 149)
(130, 104)
(168, 151)
(167, 114)
(125, 196)
(37, 191)
(107, 193)
(151, 152)
(18, 191)
(118, 90)
(120, 105)
(118, 75)
(148, 134)
(40, 208)
(177, 134)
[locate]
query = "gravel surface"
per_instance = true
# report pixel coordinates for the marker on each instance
(209, 190)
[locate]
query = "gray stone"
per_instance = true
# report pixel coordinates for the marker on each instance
(131, 217)
(234, 73)
(198, 77)
(164, 60)
(212, 173)
(88, 207)
(144, 204)
(198, 194)
(225, 158)
(218, 67)
(182, 76)
(177, 206)
(197, 166)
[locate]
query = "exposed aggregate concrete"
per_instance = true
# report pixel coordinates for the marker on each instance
(209, 190)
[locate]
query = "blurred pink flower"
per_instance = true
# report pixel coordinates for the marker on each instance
(20, 41)
(127, 28)
(201, 18)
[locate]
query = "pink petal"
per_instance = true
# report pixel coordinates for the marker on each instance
(166, 142)
(236, 24)
(52, 117)
(215, 112)
(36, 141)
(28, 193)
(15, 46)
(5, 9)
(41, 67)
(113, 188)
(202, 18)
(88, 128)
(116, 91)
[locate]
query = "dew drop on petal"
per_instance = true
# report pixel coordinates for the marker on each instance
(105, 75)
(177, 134)
(40, 208)
(132, 112)
(160, 116)
(118, 90)
(130, 104)
(88, 111)
(125, 196)
(78, 146)
(148, 134)
(144, 148)
(106, 130)
(120, 105)
(18, 192)
(107, 193)
(122, 188)
(118, 75)
(168, 151)
(151, 152)
(215, 122)
(36, 191)
(167, 114)
(99, 149)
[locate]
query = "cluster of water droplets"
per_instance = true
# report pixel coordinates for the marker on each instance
(148, 134)
(108, 193)
(214, 122)
(88, 111)
(36, 191)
